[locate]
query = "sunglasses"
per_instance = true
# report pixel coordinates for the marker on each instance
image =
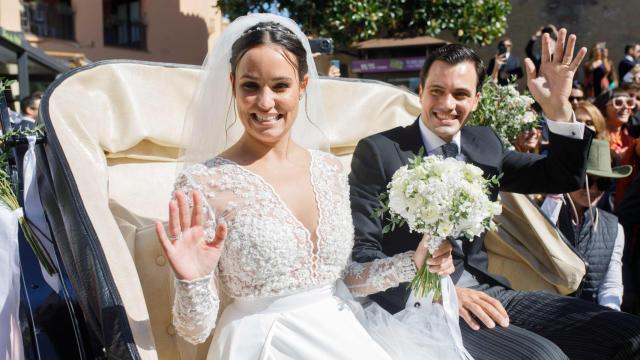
(621, 101)
(602, 183)
(575, 98)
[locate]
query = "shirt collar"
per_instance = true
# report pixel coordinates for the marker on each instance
(432, 141)
(630, 58)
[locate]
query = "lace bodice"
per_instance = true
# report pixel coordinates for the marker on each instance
(268, 251)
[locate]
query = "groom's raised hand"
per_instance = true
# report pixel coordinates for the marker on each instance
(551, 85)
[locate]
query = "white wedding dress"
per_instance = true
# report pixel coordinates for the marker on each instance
(284, 301)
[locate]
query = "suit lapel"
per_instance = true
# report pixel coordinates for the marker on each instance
(469, 145)
(475, 153)
(410, 142)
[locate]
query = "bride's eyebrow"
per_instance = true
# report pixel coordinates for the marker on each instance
(282, 78)
(277, 78)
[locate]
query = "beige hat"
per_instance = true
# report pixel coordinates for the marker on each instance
(599, 162)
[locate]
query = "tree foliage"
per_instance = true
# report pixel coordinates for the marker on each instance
(347, 21)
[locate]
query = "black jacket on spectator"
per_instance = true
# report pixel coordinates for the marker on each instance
(378, 156)
(624, 67)
(512, 68)
(628, 214)
(634, 124)
(533, 54)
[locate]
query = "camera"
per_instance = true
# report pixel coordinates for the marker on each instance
(321, 45)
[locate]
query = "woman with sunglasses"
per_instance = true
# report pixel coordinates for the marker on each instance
(594, 233)
(616, 106)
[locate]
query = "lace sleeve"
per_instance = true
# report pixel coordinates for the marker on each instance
(195, 309)
(189, 181)
(196, 303)
(364, 279)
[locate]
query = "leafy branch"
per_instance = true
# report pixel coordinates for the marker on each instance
(349, 21)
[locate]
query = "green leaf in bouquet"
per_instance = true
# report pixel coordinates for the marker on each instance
(495, 180)
(417, 158)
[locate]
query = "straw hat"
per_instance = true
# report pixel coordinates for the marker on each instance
(599, 162)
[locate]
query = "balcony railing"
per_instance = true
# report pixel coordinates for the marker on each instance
(43, 19)
(126, 33)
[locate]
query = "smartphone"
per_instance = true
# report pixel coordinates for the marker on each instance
(321, 45)
(502, 49)
(334, 62)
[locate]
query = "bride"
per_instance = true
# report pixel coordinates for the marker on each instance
(267, 222)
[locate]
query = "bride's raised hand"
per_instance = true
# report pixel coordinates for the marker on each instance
(190, 254)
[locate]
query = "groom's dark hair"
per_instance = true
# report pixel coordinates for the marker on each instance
(454, 54)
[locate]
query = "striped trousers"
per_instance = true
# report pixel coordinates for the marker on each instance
(550, 326)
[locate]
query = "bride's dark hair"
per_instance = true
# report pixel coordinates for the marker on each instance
(270, 33)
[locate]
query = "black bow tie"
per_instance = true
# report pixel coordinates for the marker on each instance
(449, 150)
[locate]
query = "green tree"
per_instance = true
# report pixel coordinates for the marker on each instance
(347, 21)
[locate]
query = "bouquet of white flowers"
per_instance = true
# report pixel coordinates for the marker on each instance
(443, 198)
(505, 110)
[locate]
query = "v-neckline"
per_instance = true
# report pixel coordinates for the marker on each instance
(315, 244)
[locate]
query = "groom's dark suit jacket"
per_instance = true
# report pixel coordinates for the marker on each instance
(377, 157)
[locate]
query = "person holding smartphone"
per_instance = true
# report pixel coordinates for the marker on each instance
(504, 65)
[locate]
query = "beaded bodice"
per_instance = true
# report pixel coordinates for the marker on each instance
(268, 251)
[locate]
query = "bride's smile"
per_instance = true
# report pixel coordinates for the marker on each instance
(268, 88)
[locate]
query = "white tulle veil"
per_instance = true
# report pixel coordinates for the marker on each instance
(211, 123)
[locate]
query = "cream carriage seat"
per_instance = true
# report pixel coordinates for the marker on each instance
(118, 124)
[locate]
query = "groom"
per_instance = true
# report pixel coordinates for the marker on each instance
(497, 322)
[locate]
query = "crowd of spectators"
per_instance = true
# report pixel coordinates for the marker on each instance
(604, 216)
